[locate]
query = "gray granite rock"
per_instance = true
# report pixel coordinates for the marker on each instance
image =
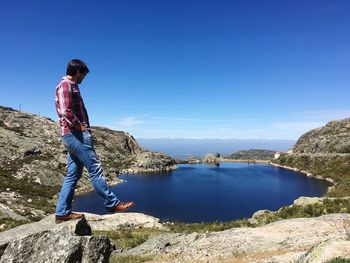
(305, 200)
(334, 137)
(46, 241)
(312, 240)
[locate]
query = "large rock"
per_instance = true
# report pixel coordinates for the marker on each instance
(211, 158)
(152, 162)
(70, 241)
(306, 200)
(111, 222)
(45, 241)
(334, 137)
(259, 217)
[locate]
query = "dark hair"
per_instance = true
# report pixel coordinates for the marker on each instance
(76, 65)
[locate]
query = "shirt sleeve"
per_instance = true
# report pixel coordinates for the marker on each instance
(65, 104)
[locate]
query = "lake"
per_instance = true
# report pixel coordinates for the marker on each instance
(205, 193)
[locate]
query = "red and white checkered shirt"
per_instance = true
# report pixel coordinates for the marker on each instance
(70, 107)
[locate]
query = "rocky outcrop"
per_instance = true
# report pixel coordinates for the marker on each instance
(120, 220)
(71, 241)
(45, 242)
(152, 162)
(211, 158)
(293, 240)
(323, 153)
(334, 137)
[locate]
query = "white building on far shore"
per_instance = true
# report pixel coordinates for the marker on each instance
(277, 154)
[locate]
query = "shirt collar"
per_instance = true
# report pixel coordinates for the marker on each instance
(68, 80)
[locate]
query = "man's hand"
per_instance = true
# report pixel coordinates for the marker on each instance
(81, 127)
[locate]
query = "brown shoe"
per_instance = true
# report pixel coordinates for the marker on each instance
(60, 219)
(121, 206)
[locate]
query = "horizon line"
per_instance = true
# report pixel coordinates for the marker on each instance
(214, 138)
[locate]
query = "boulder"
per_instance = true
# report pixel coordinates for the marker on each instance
(152, 162)
(259, 217)
(305, 200)
(122, 220)
(45, 241)
(211, 158)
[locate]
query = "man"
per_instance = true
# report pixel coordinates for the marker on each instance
(76, 137)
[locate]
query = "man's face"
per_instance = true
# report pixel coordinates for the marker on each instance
(80, 77)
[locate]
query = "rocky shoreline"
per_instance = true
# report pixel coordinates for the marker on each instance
(308, 174)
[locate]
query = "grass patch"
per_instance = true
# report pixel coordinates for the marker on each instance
(40, 194)
(217, 226)
(328, 206)
(7, 223)
(117, 165)
(338, 260)
(129, 259)
(129, 238)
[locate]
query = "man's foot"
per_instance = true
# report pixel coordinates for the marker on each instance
(121, 206)
(60, 219)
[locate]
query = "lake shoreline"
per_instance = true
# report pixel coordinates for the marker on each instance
(215, 171)
(244, 161)
(308, 174)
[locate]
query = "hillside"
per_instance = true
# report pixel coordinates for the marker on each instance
(252, 154)
(334, 137)
(33, 163)
(324, 152)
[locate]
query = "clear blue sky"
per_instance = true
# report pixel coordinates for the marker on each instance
(203, 69)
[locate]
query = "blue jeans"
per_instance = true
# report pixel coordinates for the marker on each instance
(81, 153)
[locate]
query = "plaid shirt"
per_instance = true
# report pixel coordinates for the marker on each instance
(70, 107)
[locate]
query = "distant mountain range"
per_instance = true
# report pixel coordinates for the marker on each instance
(183, 148)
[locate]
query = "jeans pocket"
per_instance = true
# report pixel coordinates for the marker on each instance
(67, 140)
(87, 137)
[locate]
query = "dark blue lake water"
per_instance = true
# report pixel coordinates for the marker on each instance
(205, 193)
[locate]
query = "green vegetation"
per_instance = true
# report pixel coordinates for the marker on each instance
(116, 165)
(129, 259)
(206, 227)
(129, 238)
(40, 194)
(253, 154)
(336, 167)
(339, 260)
(318, 209)
(7, 223)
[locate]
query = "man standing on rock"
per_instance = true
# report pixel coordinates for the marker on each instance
(76, 137)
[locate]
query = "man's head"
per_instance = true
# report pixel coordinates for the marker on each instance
(77, 69)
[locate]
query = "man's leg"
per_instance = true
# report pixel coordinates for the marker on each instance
(74, 172)
(80, 145)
